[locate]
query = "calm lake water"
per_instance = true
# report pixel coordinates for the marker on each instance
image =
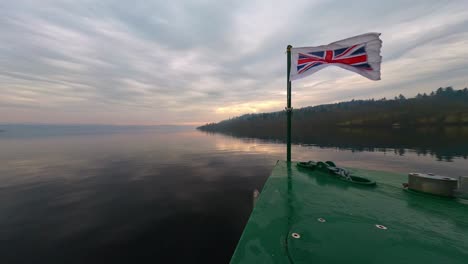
(152, 195)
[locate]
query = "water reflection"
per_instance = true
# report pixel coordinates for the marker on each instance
(444, 144)
(124, 197)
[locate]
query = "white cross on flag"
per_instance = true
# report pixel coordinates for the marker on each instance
(360, 54)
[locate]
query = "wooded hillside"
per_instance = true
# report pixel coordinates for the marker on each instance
(443, 107)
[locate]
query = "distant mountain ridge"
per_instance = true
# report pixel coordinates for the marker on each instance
(443, 107)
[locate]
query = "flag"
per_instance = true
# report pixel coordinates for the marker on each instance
(359, 54)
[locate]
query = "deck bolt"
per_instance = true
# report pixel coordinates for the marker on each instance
(296, 235)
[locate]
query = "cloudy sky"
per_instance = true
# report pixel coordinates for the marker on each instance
(196, 61)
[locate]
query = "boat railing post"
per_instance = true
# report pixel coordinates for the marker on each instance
(288, 107)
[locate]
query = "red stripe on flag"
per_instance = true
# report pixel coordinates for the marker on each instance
(357, 59)
(329, 55)
(301, 61)
(352, 60)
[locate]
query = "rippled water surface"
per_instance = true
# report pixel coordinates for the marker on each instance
(161, 194)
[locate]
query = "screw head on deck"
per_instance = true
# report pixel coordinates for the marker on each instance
(295, 235)
(381, 227)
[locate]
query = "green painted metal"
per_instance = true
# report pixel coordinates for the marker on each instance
(288, 108)
(338, 222)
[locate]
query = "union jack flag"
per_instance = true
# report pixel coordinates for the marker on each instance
(360, 54)
(354, 56)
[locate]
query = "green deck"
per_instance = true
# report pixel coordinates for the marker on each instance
(420, 228)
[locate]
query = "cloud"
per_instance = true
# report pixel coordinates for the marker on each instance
(157, 62)
(249, 107)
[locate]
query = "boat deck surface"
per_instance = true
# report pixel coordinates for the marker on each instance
(341, 222)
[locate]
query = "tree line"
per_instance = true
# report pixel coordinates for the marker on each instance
(443, 107)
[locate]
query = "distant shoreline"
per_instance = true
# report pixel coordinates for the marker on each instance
(445, 107)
